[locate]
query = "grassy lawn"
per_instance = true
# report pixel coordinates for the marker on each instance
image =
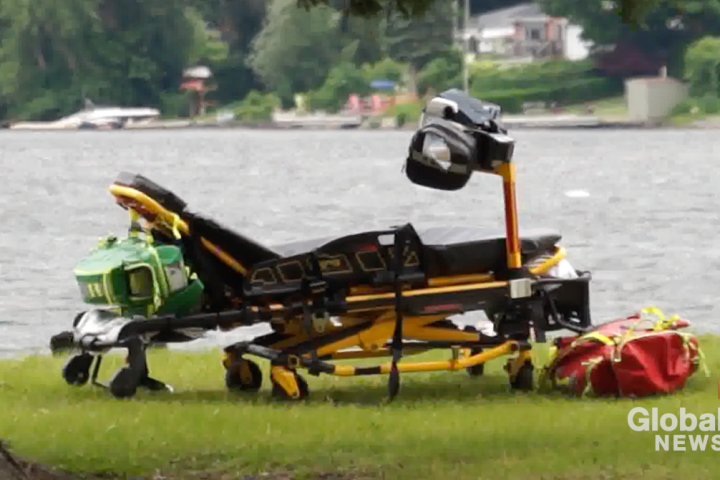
(442, 425)
(614, 108)
(685, 120)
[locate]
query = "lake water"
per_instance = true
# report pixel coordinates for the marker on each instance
(637, 208)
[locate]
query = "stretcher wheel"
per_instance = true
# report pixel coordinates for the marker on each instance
(77, 370)
(524, 378)
(280, 393)
(124, 384)
(249, 380)
(476, 370)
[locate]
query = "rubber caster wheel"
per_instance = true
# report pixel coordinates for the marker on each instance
(476, 370)
(524, 380)
(77, 370)
(61, 341)
(124, 384)
(279, 393)
(244, 375)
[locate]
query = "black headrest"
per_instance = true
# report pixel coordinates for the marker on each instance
(427, 171)
(163, 196)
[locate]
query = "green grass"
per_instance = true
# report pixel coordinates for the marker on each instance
(442, 425)
(608, 107)
(682, 120)
(689, 119)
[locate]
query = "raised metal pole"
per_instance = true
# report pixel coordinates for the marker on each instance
(512, 230)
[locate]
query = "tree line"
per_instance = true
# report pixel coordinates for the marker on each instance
(132, 52)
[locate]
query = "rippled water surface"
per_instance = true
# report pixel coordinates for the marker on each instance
(648, 230)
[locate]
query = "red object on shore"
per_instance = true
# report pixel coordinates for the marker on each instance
(628, 357)
(196, 85)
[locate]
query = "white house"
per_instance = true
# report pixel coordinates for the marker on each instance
(524, 31)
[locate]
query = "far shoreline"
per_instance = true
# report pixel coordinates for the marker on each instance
(529, 122)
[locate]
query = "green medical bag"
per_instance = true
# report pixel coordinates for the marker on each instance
(136, 277)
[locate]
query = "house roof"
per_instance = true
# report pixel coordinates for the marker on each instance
(505, 17)
(201, 72)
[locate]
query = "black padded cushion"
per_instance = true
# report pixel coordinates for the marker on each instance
(455, 250)
(164, 197)
(469, 250)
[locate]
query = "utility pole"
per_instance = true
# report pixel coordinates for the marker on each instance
(466, 40)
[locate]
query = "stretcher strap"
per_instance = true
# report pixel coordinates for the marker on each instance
(401, 240)
(315, 273)
(700, 359)
(308, 327)
(135, 226)
(589, 365)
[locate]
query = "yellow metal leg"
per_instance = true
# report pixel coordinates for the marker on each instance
(286, 380)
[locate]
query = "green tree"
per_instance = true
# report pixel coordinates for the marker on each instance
(478, 7)
(373, 8)
(238, 22)
(702, 67)
(369, 37)
(257, 107)
(344, 79)
(385, 69)
(441, 73)
(630, 11)
(296, 49)
(52, 54)
(664, 28)
(207, 46)
(417, 41)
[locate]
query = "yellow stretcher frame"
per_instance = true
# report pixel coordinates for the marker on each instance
(370, 342)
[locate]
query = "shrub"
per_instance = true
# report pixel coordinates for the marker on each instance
(257, 107)
(702, 66)
(685, 107)
(400, 119)
(710, 104)
(531, 75)
(441, 73)
(174, 104)
(405, 112)
(571, 91)
(342, 81)
(386, 69)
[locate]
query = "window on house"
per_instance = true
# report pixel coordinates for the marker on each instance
(532, 33)
(473, 45)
